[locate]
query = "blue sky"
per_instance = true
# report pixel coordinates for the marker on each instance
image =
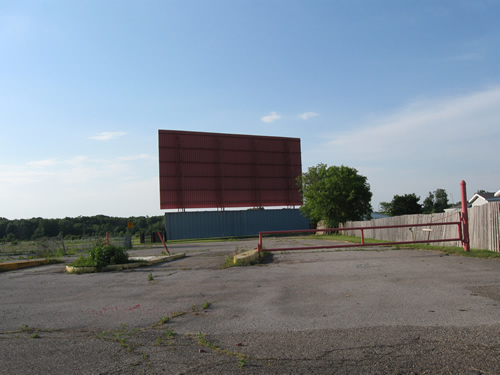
(406, 92)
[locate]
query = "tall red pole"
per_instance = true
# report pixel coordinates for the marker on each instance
(163, 242)
(465, 217)
(259, 245)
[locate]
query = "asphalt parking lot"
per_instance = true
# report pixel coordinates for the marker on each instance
(376, 311)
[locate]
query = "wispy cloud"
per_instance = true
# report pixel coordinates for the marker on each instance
(106, 136)
(428, 144)
(89, 188)
(71, 170)
(432, 124)
(308, 115)
(43, 163)
(15, 176)
(270, 118)
(137, 157)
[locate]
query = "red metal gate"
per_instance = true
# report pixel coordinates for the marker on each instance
(462, 232)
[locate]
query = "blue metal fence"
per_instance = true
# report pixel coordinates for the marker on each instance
(210, 224)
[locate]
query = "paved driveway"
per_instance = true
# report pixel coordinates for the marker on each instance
(370, 311)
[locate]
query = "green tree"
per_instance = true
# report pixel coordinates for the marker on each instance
(436, 202)
(334, 194)
(66, 226)
(12, 230)
(39, 232)
(3, 227)
(428, 205)
(403, 205)
(385, 207)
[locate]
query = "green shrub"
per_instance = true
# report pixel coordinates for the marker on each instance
(104, 255)
(83, 262)
(101, 256)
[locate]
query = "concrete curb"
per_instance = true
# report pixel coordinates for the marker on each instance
(148, 261)
(246, 257)
(10, 266)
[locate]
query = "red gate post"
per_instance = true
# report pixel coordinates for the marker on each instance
(259, 245)
(163, 242)
(465, 217)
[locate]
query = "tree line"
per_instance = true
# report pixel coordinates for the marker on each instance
(408, 204)
(77, 227)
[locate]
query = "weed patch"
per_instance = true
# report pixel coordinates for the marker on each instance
(203, 341)
(27, 328)
(242, 362)
(101, 256)
(121, 336)
(170, 333)
(164, 320)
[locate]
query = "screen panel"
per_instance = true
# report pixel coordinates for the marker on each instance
(214, 170)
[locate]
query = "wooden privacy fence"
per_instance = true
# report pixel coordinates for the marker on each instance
(484, 227)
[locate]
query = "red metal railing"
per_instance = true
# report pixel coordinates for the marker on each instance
(362, 229)
(163, 242)
(462, 229)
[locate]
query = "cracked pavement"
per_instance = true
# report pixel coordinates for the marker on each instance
(375, 311)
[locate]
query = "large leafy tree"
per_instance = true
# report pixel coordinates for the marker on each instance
(335, 194)
(437, 201)
(402, 205)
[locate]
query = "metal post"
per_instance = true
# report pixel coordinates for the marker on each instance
(362, 237)
(259, 245)
(163, 242)
(465, 217)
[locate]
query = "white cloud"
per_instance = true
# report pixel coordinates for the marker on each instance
(42, 163)
(106, 136)
(429, 144)
(428, 127)
(18, 175)
(78, 169)
(76, 160)
(138, 157)
(59, 187)
(270, 118)
(308, 115)
(53, 162)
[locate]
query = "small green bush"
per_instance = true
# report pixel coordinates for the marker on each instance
(101, 256)
(106, 255)
(83, 262)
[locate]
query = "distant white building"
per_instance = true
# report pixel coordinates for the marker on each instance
(483, 198)
(456, 207)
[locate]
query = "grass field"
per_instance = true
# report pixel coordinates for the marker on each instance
(474, 253)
